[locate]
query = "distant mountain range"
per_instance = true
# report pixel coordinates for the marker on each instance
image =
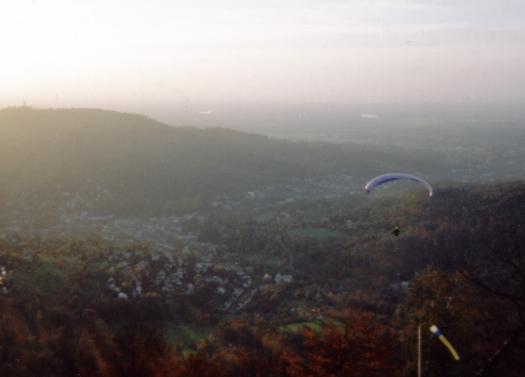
(138, 164)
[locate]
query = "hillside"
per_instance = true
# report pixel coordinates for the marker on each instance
(132, 162)
(287, 292)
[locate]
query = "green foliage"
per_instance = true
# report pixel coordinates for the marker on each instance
(185, 337)
(301, 326)
(319, 234)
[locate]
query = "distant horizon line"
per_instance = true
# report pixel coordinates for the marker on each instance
(27, 104)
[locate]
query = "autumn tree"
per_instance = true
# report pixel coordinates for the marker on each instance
(362, 346)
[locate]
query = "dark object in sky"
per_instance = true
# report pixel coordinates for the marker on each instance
(396, 232)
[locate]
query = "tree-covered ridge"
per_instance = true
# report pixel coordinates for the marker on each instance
(124, 162)
(334, 295)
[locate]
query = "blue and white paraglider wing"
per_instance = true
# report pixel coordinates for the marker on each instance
(389, 177)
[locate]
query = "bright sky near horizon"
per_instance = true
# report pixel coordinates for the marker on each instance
(100, 53)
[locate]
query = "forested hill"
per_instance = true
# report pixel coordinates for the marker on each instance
(89, 306)
(145, 164)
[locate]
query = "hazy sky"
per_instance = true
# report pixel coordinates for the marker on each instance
(114, 53)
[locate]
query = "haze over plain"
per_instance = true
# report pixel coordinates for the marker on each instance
(178, 57)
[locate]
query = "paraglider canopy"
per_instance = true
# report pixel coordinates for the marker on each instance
(389, 177)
